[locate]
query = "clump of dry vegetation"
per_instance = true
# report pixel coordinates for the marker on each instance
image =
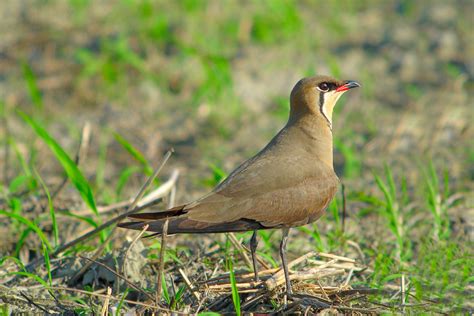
(93, 94)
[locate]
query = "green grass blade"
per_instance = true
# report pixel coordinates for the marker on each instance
(313, 231)
(21, 241)
(16, 260)
(118, 311)
(334, 210)
(178, 297)
(389, 210)
(47, 263)
(31, 276)
(123, 178)
(33, 89)
(71, 169)
(31, 225)
(135, 153)
(85, 219)
(446, 183)
(217, 175)
(385, 190)
(24, 165)
(391, 181)
(235, 291)
(51, 208)
(164, 288)
(19, 182)
(269, 258)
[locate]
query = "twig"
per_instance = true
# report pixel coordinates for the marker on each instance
(270, 283)
(224, 278)
(323, 291)
(356, 247)
(342, 265)
(365, 291)
(242, 251)
(306, 311)
(357, 309)
(349, 276)
(149, 181)
(327, 264)
(131, 246)
(96, 230)
(34, 304)
(162, 190)
(189, 285)
(201, 302)
(331, 256)
(253, 300)
(105, 308)
(94, 257)
(148, 199)
(305, 299)
(260, 260)
(301, 276)
(172, 196)
(59, 288)
(241, 285)
(162, 262)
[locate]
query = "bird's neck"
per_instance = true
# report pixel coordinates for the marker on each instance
(316, 137)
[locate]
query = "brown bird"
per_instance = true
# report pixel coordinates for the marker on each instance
(288, 183)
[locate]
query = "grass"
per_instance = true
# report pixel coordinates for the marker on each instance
(32, 86)
(71, 169)
(392, 211)
(436, 201)
(210, 79)
(51, 209)
(235, 291)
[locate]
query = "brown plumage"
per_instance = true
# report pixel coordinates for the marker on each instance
(288, 183)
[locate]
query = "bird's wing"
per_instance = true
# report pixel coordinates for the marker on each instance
(274, 192)
(240, 205)
(277, 187)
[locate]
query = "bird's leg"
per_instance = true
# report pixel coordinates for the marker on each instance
(284, 262)
(253, 249)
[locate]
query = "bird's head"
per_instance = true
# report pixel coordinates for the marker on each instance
(318, 96)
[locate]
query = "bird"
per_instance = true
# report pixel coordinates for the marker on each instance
(289, 183)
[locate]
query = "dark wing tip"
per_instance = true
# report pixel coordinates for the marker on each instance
(132, 225)
(185, 225)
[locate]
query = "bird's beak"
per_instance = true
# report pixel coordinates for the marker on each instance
(349, 84)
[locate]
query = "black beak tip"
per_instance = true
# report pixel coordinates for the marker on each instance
(351, 84)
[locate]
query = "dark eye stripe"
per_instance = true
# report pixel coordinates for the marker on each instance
(321, 104)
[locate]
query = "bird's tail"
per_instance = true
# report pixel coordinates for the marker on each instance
(181, 224)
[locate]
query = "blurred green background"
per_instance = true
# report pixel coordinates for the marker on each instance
(212, 78)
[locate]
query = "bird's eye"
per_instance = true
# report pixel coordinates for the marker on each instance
(323, 87)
